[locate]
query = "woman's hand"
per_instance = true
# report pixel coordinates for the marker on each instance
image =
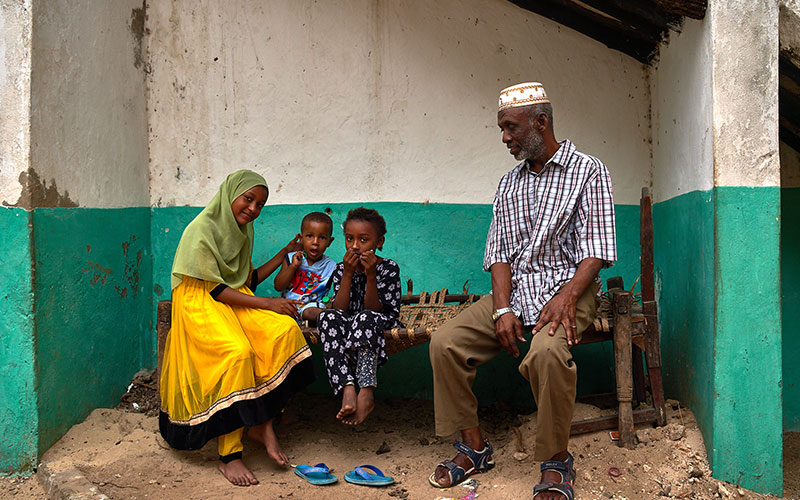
(288, 307)
(351, 260)
(294, 245)
(369, 261)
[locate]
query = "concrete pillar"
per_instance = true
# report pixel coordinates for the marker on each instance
(747, 421)
(19, 418)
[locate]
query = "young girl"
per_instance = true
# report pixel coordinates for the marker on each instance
(366, 291)
(231, 359)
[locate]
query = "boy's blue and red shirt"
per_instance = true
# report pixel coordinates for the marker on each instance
(311, 282)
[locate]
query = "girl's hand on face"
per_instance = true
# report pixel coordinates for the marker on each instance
(350, 261)
(297, 259)
(282, 306)
(294, 245)
(369, 261)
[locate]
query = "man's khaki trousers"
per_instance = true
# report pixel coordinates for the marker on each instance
(469, 340)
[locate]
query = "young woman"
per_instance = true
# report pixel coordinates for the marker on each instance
(231, 359)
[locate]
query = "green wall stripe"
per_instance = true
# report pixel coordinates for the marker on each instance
(719, 309)
(18, 416)
(684, 258)
(748, 419)
(790, 290)
(93, 310)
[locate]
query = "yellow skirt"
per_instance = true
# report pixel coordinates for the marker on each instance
(226, 367)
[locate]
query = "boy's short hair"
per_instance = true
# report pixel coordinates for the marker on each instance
(318, 217)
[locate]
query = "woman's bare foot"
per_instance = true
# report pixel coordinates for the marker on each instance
(365, 405)
(237, 473)
(265, 434)
(348, 403)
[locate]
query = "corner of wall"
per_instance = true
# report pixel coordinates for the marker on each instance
(18, 394)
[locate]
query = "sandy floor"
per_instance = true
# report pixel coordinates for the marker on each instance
(120, 451)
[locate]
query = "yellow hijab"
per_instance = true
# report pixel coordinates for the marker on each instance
(214, 247)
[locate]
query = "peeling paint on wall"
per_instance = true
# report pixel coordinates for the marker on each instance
(36, 193)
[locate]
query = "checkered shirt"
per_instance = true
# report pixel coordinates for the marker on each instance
(545, 224)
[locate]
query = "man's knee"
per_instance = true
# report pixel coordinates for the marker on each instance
(442, 344)
(547, 353)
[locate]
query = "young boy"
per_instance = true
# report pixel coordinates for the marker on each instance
(306, 275)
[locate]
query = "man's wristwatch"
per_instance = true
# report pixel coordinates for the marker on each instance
(499, 312)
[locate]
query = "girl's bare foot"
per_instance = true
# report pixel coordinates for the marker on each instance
(265, 434)
(237, 473)
(348, 403)
(365, 405)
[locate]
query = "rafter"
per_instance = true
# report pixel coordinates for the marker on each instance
(611, 32)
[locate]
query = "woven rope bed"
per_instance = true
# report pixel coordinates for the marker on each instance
(422, 314)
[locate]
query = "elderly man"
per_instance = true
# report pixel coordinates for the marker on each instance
(552, 230)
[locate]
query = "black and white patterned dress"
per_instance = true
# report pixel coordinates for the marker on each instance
(344, 333)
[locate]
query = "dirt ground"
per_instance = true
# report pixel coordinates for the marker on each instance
(121, 452)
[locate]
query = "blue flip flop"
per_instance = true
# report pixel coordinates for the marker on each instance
(317, 475)
(364, 478)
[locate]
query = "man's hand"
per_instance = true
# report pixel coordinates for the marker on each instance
(509, 331)
(559, 311)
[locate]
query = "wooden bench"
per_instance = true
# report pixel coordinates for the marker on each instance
(631, 326)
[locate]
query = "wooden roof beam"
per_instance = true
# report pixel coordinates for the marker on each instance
(654, 26)
(640, 12)
(611, 32)
(696, 9)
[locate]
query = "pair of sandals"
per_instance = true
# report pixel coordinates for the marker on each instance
(320, 475)
(482, 461)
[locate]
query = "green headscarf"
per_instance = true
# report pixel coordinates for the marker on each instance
(214, 247)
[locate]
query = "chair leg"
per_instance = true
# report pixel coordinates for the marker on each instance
(653, 359)
(623, 364)
(638, 376)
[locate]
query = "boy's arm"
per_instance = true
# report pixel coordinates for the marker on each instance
(284, 277)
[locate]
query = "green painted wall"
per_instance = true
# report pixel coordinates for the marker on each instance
(790, 289)
(18, 415)
(748, 419)
(683, 230)
(93, 310)
(719, 278)
(436, 245)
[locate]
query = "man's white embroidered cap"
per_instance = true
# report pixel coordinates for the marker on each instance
(522, 94)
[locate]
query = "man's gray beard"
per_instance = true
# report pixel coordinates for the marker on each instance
(533, 148)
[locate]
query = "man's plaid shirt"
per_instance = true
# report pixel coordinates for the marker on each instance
(545, 224)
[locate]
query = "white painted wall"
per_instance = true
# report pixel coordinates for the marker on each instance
(15, 81)
(88, 102)
(369, 100)
(715, 118)
(683, 142)
(745, 97)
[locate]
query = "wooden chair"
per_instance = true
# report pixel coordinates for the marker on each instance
(633, 328)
